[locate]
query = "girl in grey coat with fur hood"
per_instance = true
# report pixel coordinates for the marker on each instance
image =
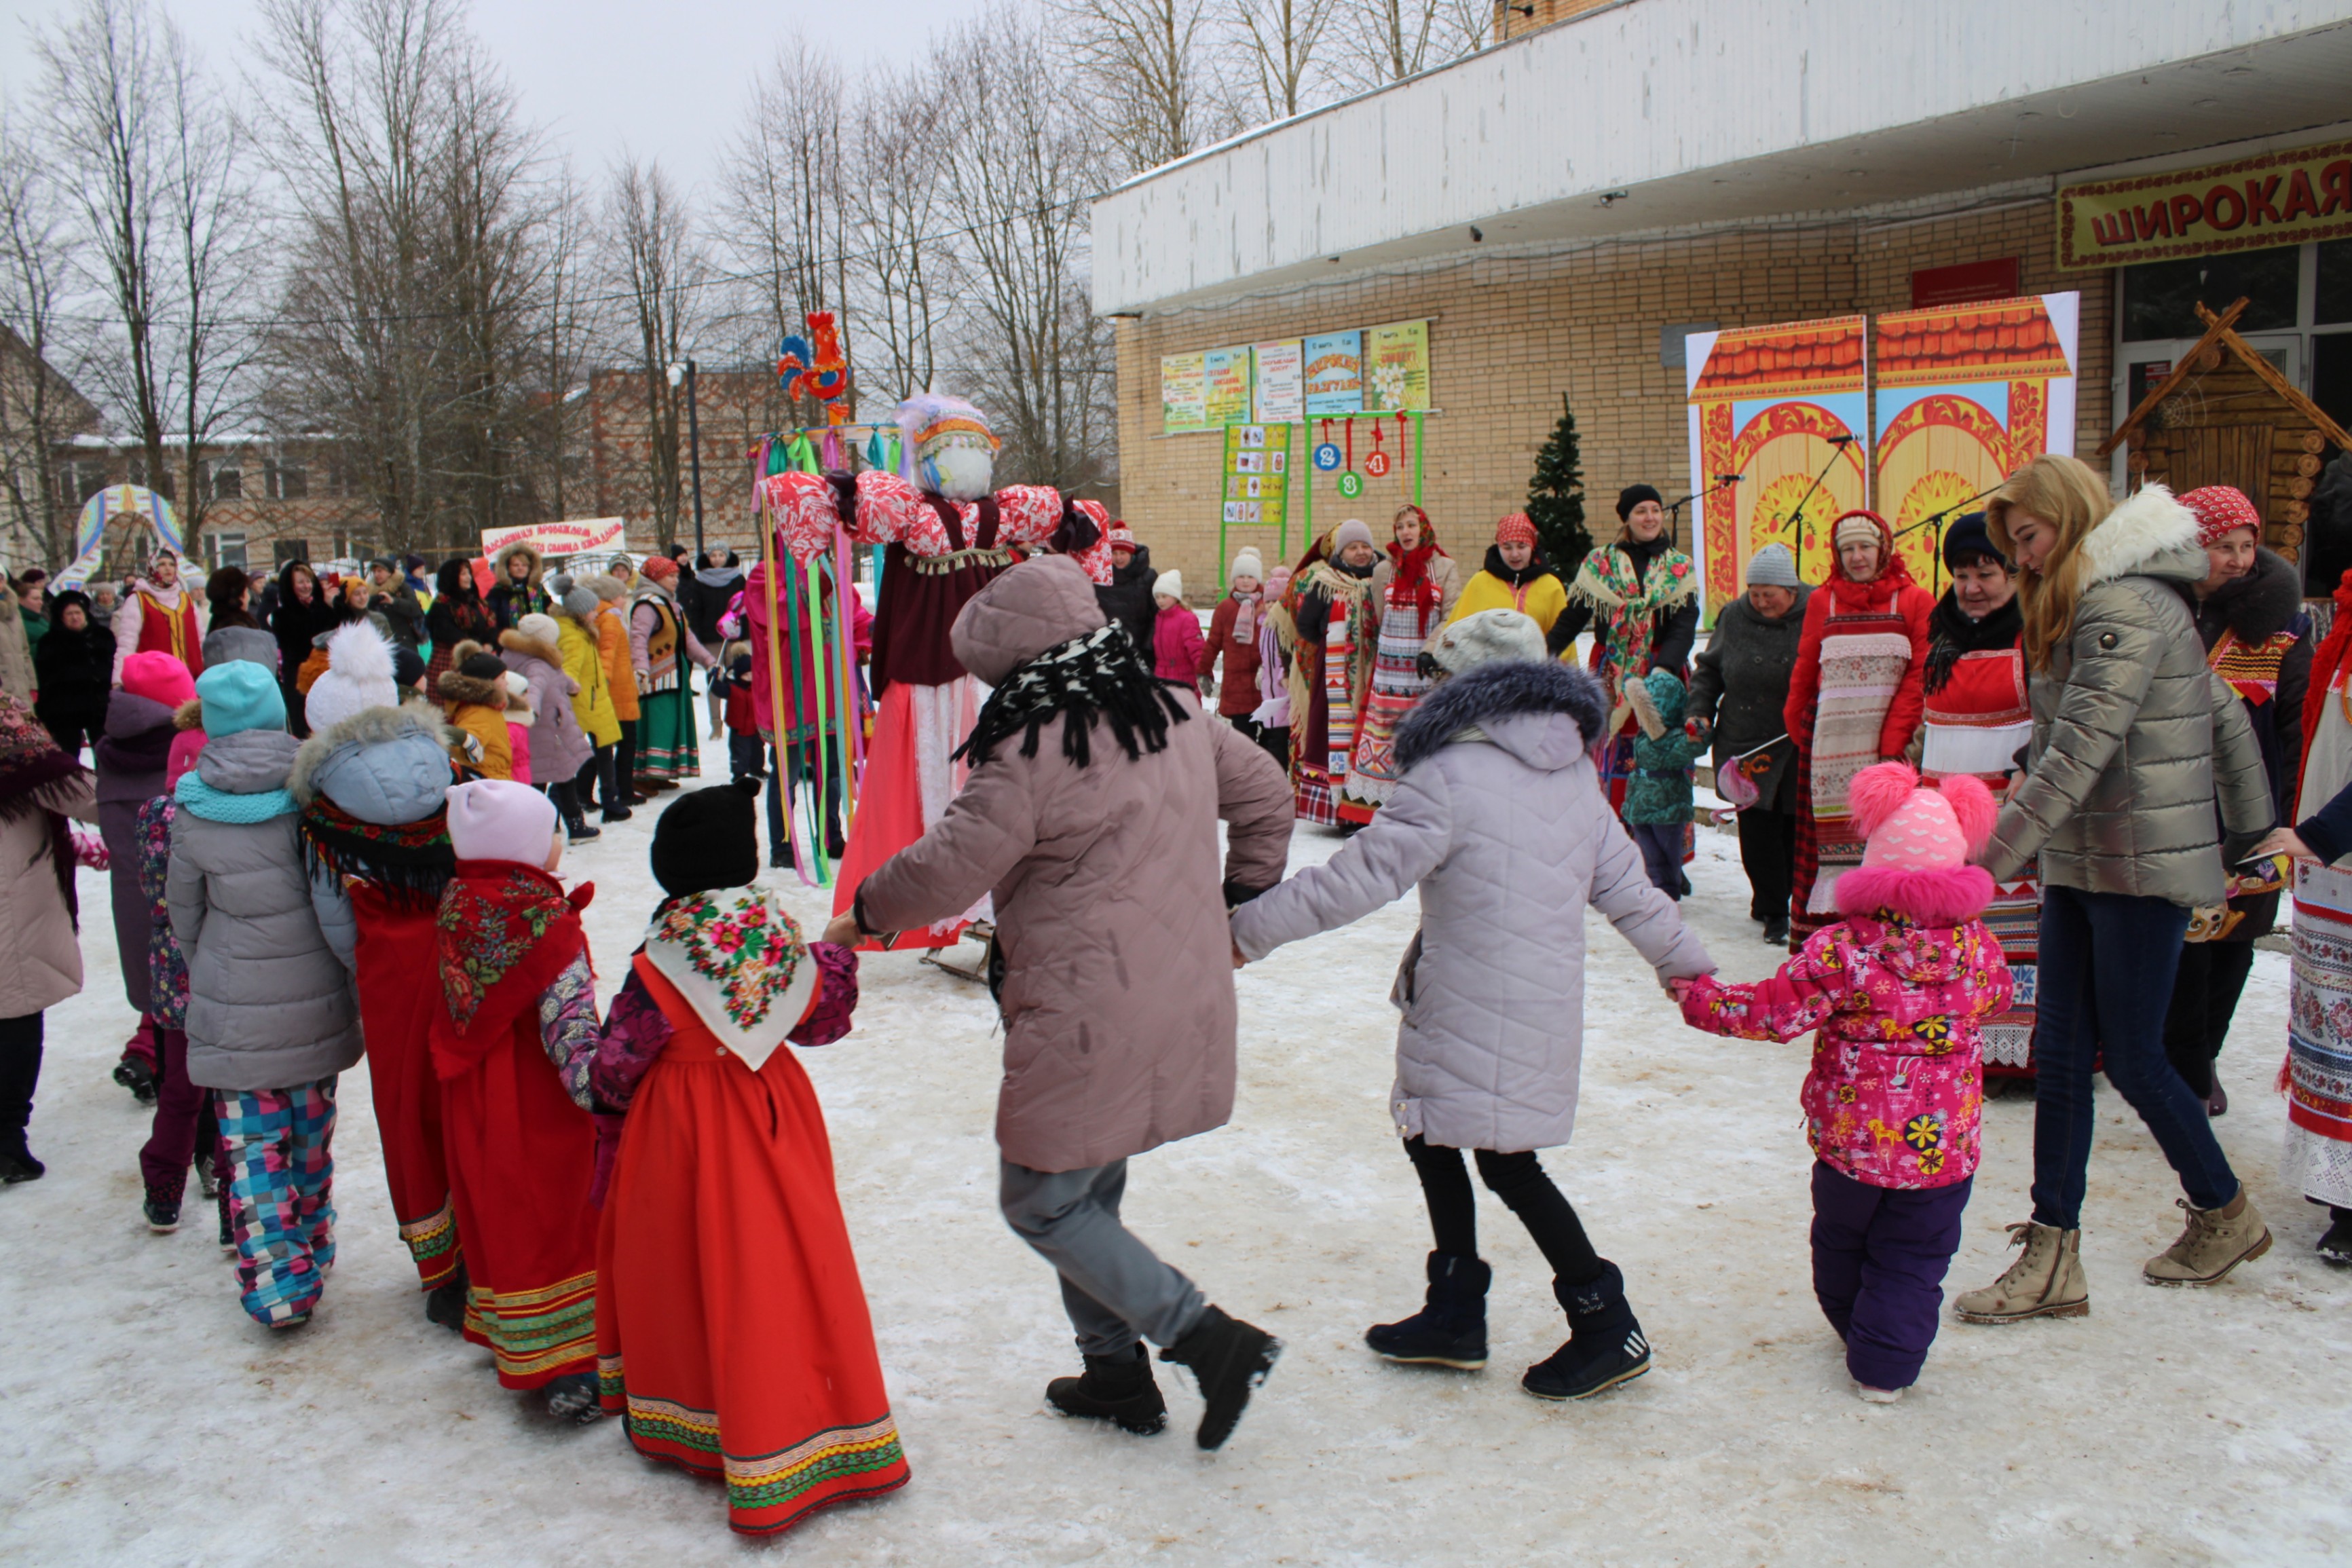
(1499, 822)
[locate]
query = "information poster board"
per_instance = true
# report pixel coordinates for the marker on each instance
(1783, 408)
(1965, 394)
(1279, 374)
(1183, 388)
(1396, 361)
(1226, 379)
(1257, 475)
(1335, 374)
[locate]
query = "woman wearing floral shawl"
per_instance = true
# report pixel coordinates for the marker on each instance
(1639, 596)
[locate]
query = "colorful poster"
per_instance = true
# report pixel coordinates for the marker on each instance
(1183, 393)
(1225, 383)
(1396, 368)
(1779, 443)
(1966, 393)
(1335, 373)
(1256, 481)
(1280, 372)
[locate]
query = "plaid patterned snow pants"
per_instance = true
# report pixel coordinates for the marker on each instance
(281, 1192)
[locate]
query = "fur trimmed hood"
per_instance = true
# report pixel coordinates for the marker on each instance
(1509, 704)
(369, 728)
(2148, 535)
(2258, 606)
(498, 577)
(453, 686)
(515, 642)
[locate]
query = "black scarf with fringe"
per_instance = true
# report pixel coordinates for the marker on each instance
(1951, 634)
(410, 861)
(1099, 674)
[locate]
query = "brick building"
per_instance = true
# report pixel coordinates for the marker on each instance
(1563, 208)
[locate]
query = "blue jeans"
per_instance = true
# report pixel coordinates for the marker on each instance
(2108, 963)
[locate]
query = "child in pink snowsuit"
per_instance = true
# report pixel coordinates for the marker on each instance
(1897, 991)
(1175, 650)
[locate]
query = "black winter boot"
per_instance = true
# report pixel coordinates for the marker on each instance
(2336, 1246)
(1450, 1330)
(133, 1074)
(1604, 1347)
(1228, 1359)
(572, 1398)
(1116, 1388)
(162, 1211)
(445, 1304)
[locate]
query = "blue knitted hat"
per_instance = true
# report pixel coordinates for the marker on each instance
(240, 696)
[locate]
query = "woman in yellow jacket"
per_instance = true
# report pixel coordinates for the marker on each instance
(620, 678)
(592, 702)
(1516, 578)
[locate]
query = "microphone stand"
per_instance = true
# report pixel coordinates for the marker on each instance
(1936, 519)
(1722, 481)
(1838, 443)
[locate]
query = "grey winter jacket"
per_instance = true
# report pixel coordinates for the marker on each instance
(1501, 823)
(2133, 736)
(268, 1004)
(1739, 684)
(387, 766)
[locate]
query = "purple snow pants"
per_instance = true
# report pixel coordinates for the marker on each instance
(1879, 1260)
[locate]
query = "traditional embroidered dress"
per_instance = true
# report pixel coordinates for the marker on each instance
(516, 1013)
(1330, 678)
(1628, 604)
(668, 742)
(2318, 1076)
(1976, 722)
(939, 552)
(1855, 698)
(731, 1331)
(1412, 606)
(394, 877)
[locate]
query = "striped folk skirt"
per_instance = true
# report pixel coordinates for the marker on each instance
(2318, 1159)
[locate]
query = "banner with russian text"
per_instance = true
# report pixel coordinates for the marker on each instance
(2250, 203)
(576, 537)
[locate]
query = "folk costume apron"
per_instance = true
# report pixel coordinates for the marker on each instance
(669, 746)
(1864, 656)
(1328, 678)
(1408, 613)
(1976, 723)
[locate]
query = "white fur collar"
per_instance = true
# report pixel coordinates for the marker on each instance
(2132, 537)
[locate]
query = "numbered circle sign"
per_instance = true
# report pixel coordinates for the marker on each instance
(1377, 465)
(1326, 456)
(1351, 486)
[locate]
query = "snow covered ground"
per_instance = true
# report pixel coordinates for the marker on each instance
(143, 1419)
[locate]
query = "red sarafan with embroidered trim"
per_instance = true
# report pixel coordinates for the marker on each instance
(732, 1334)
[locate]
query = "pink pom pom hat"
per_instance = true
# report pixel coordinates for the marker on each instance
(1917, 842)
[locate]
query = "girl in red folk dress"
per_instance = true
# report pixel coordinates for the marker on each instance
(732, 1331)
(512, 1041)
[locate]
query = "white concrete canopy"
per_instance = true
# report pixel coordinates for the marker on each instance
(1658, 114)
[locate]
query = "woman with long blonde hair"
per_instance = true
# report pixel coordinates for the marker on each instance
(2133, 740)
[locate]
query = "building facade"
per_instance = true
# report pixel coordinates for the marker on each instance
(1563, 210)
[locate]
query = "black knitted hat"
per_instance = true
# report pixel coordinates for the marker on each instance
(1633, 496)
(708, 839)
(1968, 539)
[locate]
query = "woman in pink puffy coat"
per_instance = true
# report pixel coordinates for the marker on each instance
(1898, 992)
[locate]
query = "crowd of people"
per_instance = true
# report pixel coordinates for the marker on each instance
(2023, 831)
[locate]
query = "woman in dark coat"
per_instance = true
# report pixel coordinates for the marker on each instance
(303, 613)
(2258, 640)
(1126, 597)
(1738, 690)
(457, 614)
(73, 665)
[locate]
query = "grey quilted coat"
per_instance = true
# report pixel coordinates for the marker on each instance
(2133, 736)
(1501, 823)
(269, 1006)
(1119, 978)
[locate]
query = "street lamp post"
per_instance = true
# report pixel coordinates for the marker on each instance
(693, 448)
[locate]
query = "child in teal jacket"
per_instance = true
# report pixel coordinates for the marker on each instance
(1658, 795)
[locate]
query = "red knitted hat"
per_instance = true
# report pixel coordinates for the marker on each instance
(2221, 510)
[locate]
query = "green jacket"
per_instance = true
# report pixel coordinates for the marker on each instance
(1659, 792)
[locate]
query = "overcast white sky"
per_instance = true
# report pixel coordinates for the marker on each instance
(664, 80)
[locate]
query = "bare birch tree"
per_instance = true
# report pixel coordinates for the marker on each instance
(661, 273)
(1147, 69)
(1284, 43)
(37, 409)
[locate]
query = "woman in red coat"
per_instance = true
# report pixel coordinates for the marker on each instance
(1855, 699)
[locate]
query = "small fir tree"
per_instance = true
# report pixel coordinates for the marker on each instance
(1556, 497)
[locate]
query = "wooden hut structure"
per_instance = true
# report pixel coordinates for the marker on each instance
(2226, 416)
